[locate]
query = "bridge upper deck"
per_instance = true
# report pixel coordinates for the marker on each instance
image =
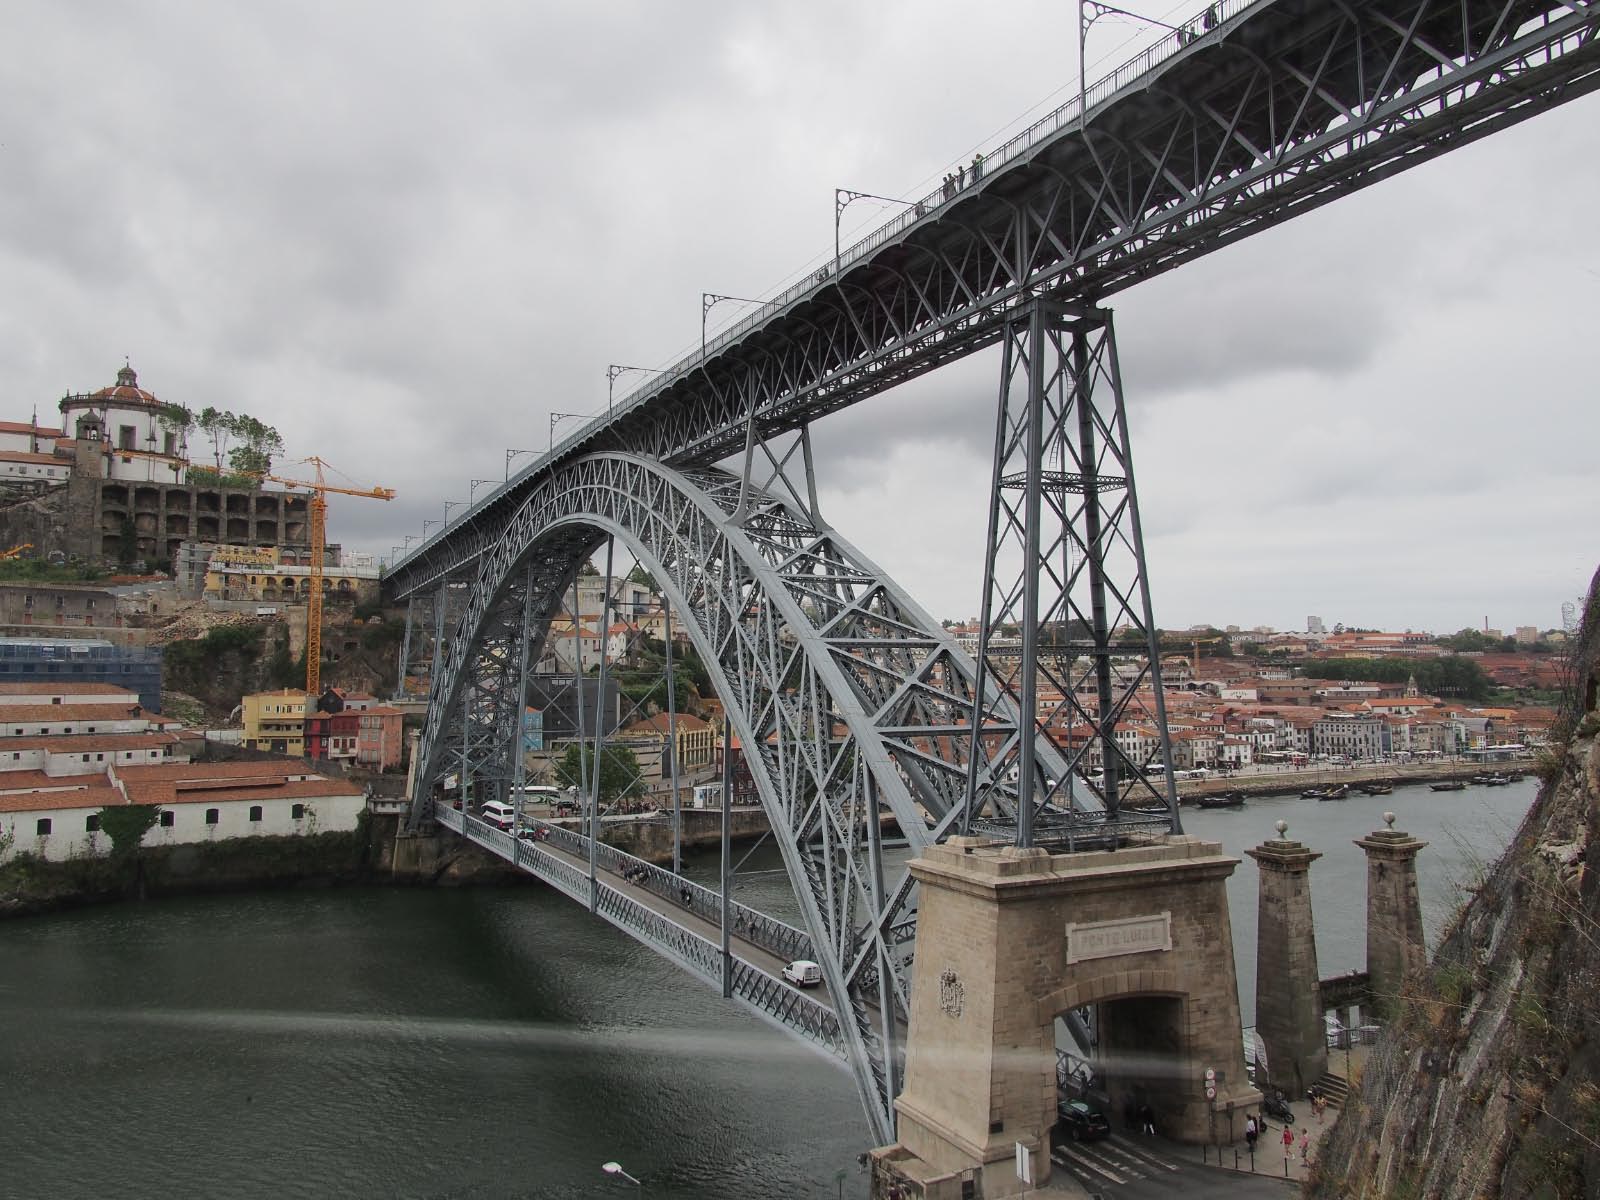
(1246, 115)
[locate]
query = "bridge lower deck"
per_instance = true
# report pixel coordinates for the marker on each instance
(677, 918)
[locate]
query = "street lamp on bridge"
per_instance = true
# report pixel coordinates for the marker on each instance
(615, 369)
(510, 454)
(556, 419)
(472, 488)
(843, 198)
(1090, 11)
(708, 301)
(448, 505)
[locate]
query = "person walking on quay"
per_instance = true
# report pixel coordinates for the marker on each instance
(1305, 1145)
(1251, 1133)
(1288, 1141)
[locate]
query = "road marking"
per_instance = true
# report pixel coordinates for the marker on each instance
(1146, 1156)
(1077, 1152)
(1074, 1169)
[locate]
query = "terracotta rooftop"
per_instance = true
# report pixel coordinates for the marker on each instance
(87, 743)
(213, 792)
(67, 689)
(38, 781)
(99, 796)
(63, 714)
(215, 772)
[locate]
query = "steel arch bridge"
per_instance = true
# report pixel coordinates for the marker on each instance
(852, 700)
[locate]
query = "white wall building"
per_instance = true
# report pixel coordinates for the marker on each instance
(124, 423)
(197, 802)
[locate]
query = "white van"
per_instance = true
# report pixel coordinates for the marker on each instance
(501, 816)
(803, 973)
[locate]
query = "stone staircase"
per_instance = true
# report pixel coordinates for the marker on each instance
(1334, 1087)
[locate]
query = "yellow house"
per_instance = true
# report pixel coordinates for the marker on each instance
(276, 721)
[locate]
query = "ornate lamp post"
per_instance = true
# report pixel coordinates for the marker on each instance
(615, 369)
(556, 419)
(510, 454)
(708, 301)
(843, 198)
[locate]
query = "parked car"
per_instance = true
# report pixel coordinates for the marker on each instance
(803, 973)
(1081, 1122)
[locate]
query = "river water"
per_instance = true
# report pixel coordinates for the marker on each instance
(498, 1042)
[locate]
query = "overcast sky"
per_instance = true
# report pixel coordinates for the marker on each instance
(405, 234)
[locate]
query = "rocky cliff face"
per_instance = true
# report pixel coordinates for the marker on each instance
(1487, 1083)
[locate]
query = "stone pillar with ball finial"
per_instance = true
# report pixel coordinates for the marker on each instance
(1395, 947)
(1288, 987)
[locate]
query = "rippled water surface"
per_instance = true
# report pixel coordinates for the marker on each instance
(492, 1043)
(391, 1043)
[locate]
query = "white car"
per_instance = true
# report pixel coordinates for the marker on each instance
(803, 973)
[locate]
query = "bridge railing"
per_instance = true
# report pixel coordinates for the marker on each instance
(1103, 89)
(749, 924)
(770, 996)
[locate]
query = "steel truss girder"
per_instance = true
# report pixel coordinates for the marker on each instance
(848, 699)
(1064, 565)
(1273, 112)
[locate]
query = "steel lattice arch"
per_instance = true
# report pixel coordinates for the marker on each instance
(852, 703)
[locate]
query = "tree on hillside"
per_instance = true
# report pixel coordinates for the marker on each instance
(177, 420)
(1451, 675)
(256, 441)
(260, 443)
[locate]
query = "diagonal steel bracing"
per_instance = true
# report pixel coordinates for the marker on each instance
(850, 704)
(1263, 111)
(1064, 573)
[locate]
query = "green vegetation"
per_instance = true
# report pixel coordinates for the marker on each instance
(256, 441)
(127, 824)
(619, 775)
(193, 655)
(27, 570)
(645, 682)
(127, 543)
(206, 477)
(1468, 641)
(1448, 676)
(384, 636)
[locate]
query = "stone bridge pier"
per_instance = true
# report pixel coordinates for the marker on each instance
(1010, 939)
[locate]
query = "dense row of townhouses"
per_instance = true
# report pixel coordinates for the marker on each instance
(69, 751)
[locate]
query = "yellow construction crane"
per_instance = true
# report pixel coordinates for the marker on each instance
(319, 520)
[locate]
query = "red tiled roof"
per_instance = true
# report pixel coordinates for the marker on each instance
(213, 772)
(80, 743)
(168, 792)
(89, 797)
(33, 780)
(28, 456)
(66, 689)
(62, 714)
